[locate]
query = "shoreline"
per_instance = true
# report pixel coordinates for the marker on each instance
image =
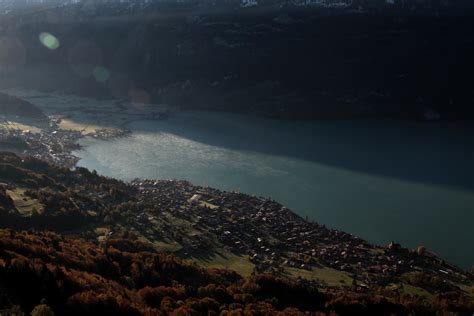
(68, 119)
(57, 145)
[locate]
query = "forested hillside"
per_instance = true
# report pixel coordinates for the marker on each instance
(287, 61)
(76, 277)
(115, 249)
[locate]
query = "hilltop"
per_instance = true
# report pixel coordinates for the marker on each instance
(111, 238)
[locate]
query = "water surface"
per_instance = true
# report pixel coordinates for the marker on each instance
(411, 182)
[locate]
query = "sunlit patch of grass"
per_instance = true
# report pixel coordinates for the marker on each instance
(414, 290)
(222, 259)
(20, 126)
(209, 205)
(327, 275)
(167, 247)
(468, 289)
(84, 128)
(24, 204)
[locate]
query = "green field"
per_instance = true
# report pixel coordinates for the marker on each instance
(222, 259)
(24, 204)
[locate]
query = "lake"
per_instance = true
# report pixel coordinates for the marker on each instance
(411, 182)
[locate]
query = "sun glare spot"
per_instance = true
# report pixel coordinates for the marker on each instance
(49, 40)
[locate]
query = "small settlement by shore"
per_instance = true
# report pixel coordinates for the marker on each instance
(52, 144)
(272, 237)
(54, 136)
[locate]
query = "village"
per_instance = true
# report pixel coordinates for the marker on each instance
(52, 143)
(273, 237)
(193, 221)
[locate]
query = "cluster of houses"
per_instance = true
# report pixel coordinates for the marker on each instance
(53, 144)
(273, 237)
(50, 144)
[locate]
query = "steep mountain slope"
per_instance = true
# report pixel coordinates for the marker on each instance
(279, 60)
(11, 105)
(115, 233)
(76, 277)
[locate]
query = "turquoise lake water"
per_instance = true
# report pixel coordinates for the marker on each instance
(411, 182)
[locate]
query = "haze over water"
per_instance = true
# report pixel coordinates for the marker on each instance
(411, 182)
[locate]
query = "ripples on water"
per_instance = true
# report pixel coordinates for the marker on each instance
(409, 182)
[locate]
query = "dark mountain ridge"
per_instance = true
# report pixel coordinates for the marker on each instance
(114, 7)
(283, 61)
(11, 105)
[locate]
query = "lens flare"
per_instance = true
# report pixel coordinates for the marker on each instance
(101, 74)
(49, 40)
